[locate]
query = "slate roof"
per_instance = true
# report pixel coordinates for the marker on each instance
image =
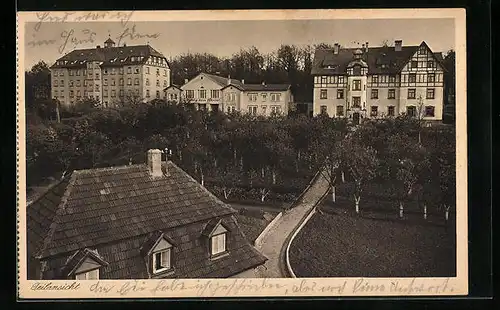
(380, 60)
(109, 56)
(117, 210)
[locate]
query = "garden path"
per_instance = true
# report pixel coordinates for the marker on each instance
(274, 243)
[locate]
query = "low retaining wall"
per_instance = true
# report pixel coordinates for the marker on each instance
(258, 240)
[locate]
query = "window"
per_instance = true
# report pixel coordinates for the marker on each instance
(218, 242)
(391, 94)
(113, 71)
(340, 94)
(77, 72)
(55, 93)
(129, 81)
(323, 109)
(374, 94)
(340, 110)
(252, 110)
(412, 78)
(323, 94)
(411, 93)
(202, 94)
(157, 71)
(164, 72)
(390, 110)
(231, 97)
(136, 70)
(70, 72)
(414, 64)
(71, 93)
(214, 93)
(97, 75)
(129, 70)
(374, 111)
(147, 93)
(276, 97)
(429, 111)
(78, 94)
(411, 111)
(341, 79)
(147, 70)
(190, 94)
(113, 93)
(264, 109)
(113, 82)
(62, 82)
(105, 83)
(105, 93)
(356, 102)
(422, 50)
(162, 260)
(430, 64)
(105, 72)
(375, 79)
(157, 94)
(61, 73)
(430, 93)
(121, 93)
(431, 78)
(71, 83)
(89, 275)
(165, 84)
(158, 83)
(252, 97)
(96, 87)
(356, 85)
(264, 97)
(323, 80)
(137, 81)
(55, 82)
(55, 73)
(392, 79)
(120, 71)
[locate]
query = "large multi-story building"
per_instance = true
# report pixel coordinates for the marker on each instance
(110, 74)
(213, 92)
(376, 82)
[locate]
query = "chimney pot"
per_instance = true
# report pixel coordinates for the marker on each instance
(154, 163)
(398, 45)
(185, 81)
(242, 81)
(336, 48)
(366, 47)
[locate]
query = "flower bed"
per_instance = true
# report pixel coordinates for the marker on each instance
(339, 244)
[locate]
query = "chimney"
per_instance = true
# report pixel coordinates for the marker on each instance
(398, 45)
(242, 81)
(336, 48)
(124, 44)
(98, 46)
(229, 80)
(366, 47)
(185, 81)
(154, 163)
(264, 83)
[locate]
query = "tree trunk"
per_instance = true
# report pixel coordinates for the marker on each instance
(334, 195)
(180, 154)
(425, 211)
(419, 137)
(234, 155)
(262, 174)
(401, 209)
(343, 176)
(356, 201)
(274, 177)
(215, 162)
(225, 194)
(58, 116)
(447, 213)
(241, 162)
(202, 178)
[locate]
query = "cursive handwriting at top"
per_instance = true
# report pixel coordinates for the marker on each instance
(123, 17)
(47, 17)
(132, 34)
(69, 37)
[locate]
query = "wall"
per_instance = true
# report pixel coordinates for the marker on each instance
(203, 82)
(285, 99)
(225, 98)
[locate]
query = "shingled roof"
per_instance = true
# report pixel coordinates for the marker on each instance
(380, 60)
(109, 56)
(117, 210)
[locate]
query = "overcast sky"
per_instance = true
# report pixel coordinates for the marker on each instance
(223, 38)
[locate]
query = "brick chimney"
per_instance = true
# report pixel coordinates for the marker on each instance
(398, 45)
(242, 81)
(185, 81)
(366, 47)
(229, 80)
(336, 48)
(154, 163)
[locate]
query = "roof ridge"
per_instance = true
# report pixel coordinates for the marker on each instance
(54, 223)
(222, 203)
(82, 171)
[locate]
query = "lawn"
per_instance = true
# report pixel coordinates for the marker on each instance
(338, 243)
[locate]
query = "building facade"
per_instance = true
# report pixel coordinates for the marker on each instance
(142, 221)
(377, 82)
(110, 74)
(215, 93)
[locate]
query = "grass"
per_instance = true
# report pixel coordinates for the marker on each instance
(253, 220)
(338, 243)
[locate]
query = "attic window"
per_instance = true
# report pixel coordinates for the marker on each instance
(218, 241)
(89, 275)
(84, 265)
(158, 250)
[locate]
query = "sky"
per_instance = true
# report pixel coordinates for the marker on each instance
(50, 40)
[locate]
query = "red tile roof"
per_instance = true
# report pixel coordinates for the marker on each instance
(116, 210)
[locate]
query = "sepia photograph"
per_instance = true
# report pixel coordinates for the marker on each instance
(165, 147)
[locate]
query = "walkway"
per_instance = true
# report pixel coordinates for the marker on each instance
(273, 245)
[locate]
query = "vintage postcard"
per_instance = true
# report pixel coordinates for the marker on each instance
(242, 153)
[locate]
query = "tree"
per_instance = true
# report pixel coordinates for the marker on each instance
(361, 161)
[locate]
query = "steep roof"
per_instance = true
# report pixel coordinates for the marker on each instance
(222, 81)
(116, 210)
(380, 60)
(109, 56)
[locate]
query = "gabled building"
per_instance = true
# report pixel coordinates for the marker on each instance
(376, 82)
(110, 74)
(135, 222)
(216, 93)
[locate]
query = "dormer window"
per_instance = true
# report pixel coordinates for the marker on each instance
(218, 244)
(89, 275)
(158, 251)
(84, 265)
